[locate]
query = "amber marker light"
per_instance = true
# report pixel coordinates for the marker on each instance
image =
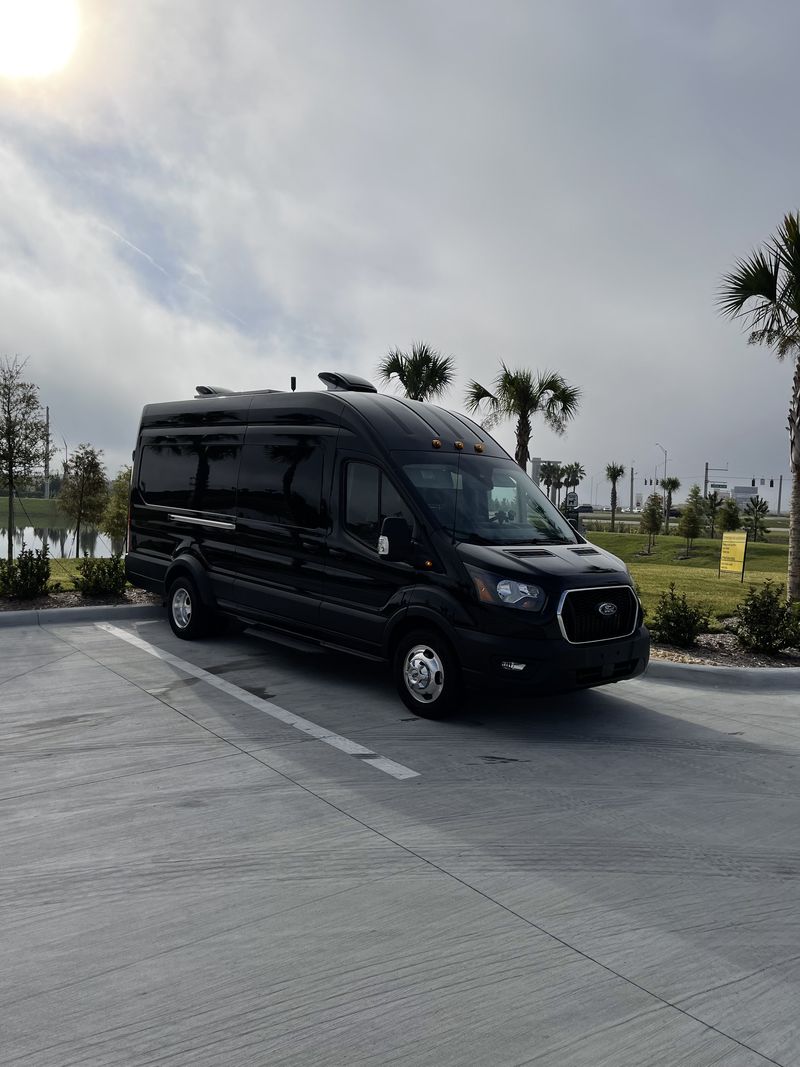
(436, 442)
(482, 589)
(479, 447)
(459, 445)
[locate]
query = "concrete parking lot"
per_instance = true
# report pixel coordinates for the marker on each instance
(238, 852)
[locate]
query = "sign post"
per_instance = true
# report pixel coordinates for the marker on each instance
(733, 553)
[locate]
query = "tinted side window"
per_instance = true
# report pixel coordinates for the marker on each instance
(188, 471)
(280, 481)
(362, 510)
(371, 497)
(217, 469)
(168, 470)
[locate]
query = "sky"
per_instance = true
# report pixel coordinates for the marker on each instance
(234, 193)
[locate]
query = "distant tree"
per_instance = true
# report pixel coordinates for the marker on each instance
(550, 475)
(690, 524)
(614, 471)
(572, 475)
(755, 512)
(729, 516)
(23, 434)
(652, 518)
(84, 491)
(669, 485)
(114, 521)
(713, 504)
(423, 374)
(521, 395)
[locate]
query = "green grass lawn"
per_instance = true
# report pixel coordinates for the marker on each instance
(62, 573)
(696, 576)
(33, 511)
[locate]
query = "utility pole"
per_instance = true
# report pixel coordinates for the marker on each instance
(47, 454)
(714, 470)
(632, 472)
(780, 491)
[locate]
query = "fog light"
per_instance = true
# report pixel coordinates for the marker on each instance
(510, 665)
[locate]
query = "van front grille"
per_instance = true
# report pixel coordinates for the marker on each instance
(601, 614)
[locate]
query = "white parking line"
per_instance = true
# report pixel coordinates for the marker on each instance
(344, 744)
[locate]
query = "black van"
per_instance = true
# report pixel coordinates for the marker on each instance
(381, 526)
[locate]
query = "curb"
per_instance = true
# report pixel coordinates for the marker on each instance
(709, 677)
(94, 613)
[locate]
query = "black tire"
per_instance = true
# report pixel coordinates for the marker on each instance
(188, 616)
(427, 674)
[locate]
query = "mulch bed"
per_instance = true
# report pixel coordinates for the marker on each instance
(73, 599)
(724, 650)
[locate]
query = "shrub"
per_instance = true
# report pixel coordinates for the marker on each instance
(676, 621)
(101, 577)
(5, 578)
(765, 622)
(27, 576)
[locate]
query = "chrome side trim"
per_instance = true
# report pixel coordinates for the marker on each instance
(596, 589)
(213, 523)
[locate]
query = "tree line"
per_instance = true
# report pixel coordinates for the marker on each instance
(85, 494)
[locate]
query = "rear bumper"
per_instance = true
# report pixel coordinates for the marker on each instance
(551, 665)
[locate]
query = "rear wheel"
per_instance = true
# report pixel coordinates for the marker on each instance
(188, 616)
(427, 674)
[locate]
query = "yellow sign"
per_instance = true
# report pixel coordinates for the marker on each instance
(732, 555)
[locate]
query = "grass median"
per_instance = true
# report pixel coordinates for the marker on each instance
(697, 576)
(33, 511)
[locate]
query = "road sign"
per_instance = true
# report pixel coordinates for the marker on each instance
(571, 500)
(732, 554)
(719, 485)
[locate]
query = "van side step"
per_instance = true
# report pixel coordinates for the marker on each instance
(306, 644)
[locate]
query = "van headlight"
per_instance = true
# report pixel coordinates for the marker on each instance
(492, 589)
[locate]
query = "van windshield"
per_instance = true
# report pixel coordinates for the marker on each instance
(486, 501)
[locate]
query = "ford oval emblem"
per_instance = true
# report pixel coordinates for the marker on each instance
(607, 608)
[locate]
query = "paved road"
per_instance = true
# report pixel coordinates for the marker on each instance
(234, 852)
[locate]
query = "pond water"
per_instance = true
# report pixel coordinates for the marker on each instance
(60, 541)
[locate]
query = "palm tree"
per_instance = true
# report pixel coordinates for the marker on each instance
(423, 374)
(549, 474)
(614, 471)
(755, 513)
(521, 395)
(713, 504)
(572, 475)
(770, 278)
(669, 485)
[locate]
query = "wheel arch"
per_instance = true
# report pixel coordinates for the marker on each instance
(192, 568)
(418, 618)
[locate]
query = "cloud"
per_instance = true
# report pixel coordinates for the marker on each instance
(244, 192)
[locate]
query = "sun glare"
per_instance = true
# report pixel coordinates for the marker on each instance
(37, 37)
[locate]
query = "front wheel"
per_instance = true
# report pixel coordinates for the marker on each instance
(188, 616)
(427, 674)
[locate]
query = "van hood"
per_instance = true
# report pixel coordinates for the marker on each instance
(556, 561)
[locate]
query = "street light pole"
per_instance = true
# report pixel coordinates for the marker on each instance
(666, 511)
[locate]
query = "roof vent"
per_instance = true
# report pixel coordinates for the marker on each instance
(346, 383)
(212, 390)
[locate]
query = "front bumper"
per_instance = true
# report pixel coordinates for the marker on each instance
(551, 665)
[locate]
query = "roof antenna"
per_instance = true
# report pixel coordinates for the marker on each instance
(293, 381)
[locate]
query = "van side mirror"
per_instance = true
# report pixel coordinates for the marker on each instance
(394, 543)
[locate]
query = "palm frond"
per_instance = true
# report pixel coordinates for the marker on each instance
(479, 400)
(423, 374)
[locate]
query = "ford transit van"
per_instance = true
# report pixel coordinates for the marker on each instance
(380, 526)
